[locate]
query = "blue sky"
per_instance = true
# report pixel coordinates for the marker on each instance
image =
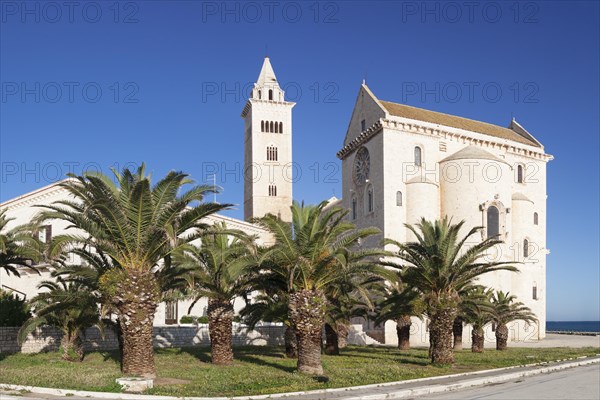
(88, 85)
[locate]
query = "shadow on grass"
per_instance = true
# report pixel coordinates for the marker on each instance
(415, 356)
(201, 353)
(251, 359)
(249, 355)
(113, 355)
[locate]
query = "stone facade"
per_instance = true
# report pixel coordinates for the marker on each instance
(431, 165)
(267, 149)
(48, 339)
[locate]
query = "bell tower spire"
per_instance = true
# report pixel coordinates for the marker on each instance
(267, 148)
(266, 86)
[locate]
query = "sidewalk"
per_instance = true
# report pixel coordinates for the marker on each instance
(392, 390)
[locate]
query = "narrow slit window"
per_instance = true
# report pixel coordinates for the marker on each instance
(493, 222)
(520, 174)
(418, 156)
(370, 199)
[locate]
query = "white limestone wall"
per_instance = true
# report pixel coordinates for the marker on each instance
(422, 201)
(400, 172)
(260, 173)
(365, 108)
(366, 219)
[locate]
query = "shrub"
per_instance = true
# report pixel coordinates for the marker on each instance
(187, 319)
(13, 311)
(192, 319)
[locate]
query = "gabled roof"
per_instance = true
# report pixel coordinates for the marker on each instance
(514, 132)
(473, 153)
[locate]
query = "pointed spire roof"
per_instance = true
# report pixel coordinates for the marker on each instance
(267, 75)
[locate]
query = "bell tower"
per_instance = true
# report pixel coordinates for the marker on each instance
(267, 149)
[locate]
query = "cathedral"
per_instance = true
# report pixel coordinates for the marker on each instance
(399, 164)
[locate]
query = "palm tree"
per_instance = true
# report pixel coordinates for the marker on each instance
(308, 255)
(137, 226)
(505, 310)
(477, 310)
(457, 332)
(68, 307)
(468, 296)
(438, 270)
(18, 247)
(270, 305)
(349, 296)
(399, 303)
(215, 269)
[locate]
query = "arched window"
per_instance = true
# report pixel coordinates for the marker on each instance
(262, 126)
(281, 127)
(418, 156)
(354, 208)
(519, 173)
(535, 218)
(271, 127)
(534, 294)
(276, 127)
(370, 199)
(271, 153)
(270, 94)
(399, 198)
(272, 190)
(493, 221)
(259, 94)
(525, 248)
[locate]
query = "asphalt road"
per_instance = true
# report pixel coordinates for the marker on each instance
(572, 384)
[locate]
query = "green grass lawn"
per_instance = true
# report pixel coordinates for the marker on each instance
(259, 370)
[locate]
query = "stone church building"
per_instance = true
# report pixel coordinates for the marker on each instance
(399, 163)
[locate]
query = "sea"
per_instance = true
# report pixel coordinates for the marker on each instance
(573, 326)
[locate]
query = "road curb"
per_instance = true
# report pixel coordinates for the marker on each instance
(431, 388)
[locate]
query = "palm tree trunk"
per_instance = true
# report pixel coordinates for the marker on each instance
(403, 332)
(457, 331)
(136, 300)
(119, 333)
(477, 339)
(342, 332)
(440, 327)
(291, 345)
(72, 347)
(501, 337)
(220, 322)
(307, 310)
(331, 341)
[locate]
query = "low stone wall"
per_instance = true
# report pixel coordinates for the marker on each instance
(48, 339)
